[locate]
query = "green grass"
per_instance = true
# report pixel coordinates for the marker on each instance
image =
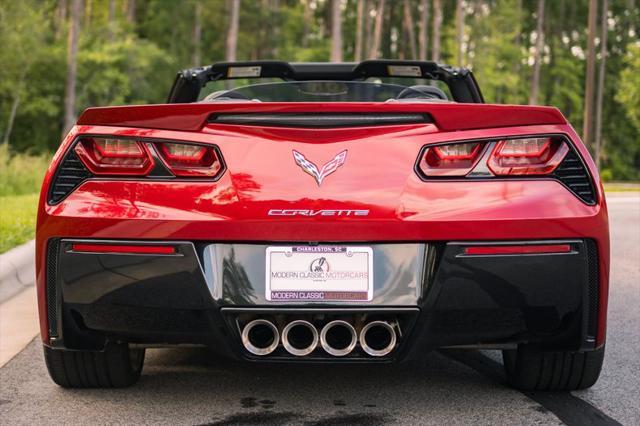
(17, 220)
(21, 173)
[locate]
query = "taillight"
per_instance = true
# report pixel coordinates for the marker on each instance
(528, 156)
(190, 160)
(450, 160)
(105, 156)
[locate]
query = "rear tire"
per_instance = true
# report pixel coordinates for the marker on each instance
(530, 369)
(115, 367)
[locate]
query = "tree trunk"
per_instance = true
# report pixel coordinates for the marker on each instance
(377, 31)
(424, 30)
(336, 31)
(111, 21)
(459, 32)
(14, 107)
(308, 22)
(367, 28)
(274, 10)
(357, 51)
(72, 66)
(437, 24)
(601, 75)
(587, 125)
(408, 24)
(232, 31)
(537, 55)
(131, 11)
(197, 34)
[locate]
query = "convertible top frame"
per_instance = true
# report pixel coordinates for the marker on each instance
(189, 82)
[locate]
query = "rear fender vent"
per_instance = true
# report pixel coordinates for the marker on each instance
(70, 174)
(573, 174)
(320, 120)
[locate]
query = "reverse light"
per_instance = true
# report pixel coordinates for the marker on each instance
(450, 160)
(105, 156)
(527, 156)
(190, 160)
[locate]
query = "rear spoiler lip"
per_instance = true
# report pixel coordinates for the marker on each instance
(193, 117)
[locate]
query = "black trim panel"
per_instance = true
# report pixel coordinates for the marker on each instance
(320, 120)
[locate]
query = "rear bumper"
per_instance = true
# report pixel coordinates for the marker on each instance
(443, 296)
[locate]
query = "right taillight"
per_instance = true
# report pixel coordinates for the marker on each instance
(527, 156)
(450, 160)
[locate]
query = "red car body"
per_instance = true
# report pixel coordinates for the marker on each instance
(379, 175)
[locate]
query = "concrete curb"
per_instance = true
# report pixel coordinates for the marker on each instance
(17, 270)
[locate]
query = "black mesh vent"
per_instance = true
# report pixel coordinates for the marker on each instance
(70, 174)
(52, 293)
(574, 175)
(593, 270)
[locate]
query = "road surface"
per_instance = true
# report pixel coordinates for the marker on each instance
(191, 386)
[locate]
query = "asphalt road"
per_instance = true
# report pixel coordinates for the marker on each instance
(191, 386)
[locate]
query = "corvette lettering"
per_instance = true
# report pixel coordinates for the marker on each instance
(311, 213)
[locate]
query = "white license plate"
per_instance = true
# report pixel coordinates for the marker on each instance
(319, 274)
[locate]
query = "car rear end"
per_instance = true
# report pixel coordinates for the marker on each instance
(353, 232)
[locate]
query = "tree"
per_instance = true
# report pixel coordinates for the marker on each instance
(537, 54)
(131, 11)
(377, 31)
(424, 30)
(232, 31)
(336, 31)
(357, 51)
(587, 124)
(601, 75)
(437, 25)
(111, 21)
(197, 34)
(459, 32)
(72, 66)
(408, 25)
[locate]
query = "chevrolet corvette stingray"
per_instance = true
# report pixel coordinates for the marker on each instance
(323, 213)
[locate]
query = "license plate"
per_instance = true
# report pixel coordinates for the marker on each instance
(319, 274)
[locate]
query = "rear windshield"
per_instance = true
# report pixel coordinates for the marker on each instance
(326, 91)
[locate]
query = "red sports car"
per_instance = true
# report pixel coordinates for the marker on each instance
(318, 212)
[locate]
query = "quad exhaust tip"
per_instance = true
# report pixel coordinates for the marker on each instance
(260, 337)
(338, 338)
(378, 338)
(299, 338)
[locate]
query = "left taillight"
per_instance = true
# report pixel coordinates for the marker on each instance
(190, 160)
(105, 156)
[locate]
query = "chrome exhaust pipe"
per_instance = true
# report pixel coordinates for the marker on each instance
(260, 337)
(378, 338)
(338, 338)
(300, 338)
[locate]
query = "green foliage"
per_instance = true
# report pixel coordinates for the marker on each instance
(21, 173)
(17, 220)
(126, 61)
(629, 88)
